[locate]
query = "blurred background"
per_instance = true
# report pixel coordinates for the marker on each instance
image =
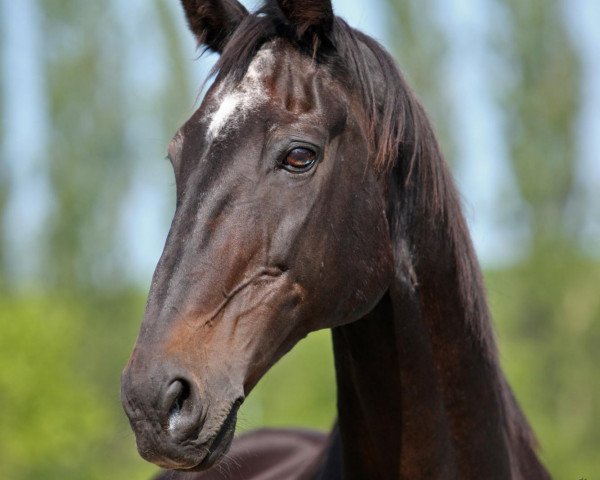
(91, 93)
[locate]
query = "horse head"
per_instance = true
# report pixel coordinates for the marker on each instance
(280, 227)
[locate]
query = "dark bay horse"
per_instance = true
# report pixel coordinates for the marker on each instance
(311, 194)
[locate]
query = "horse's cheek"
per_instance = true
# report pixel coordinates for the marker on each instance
(354, 275)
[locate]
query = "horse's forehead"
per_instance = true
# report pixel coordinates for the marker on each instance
(232, 102)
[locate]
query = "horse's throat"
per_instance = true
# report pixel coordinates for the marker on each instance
(415, 395)
(390, 407)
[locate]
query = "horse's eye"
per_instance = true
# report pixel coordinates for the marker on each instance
(299, 160)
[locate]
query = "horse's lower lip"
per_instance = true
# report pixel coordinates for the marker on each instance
(222, 440)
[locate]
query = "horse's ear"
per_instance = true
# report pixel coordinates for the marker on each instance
(213, 21)
(314, 16)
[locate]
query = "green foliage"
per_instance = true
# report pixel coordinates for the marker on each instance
(91, 161)
(298, 391)
(56, 420)
(547, 313)
(87, 162)
(542, 104)
(420, 46)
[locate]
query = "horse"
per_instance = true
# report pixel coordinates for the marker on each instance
(312, 194)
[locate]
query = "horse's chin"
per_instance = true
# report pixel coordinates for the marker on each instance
(206, 460)
(217, 452)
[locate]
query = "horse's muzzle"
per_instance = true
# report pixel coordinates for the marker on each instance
(166, 413)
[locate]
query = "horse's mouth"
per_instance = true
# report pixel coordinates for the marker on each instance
(222, 440)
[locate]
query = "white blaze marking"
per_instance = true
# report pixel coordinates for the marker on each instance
(225, 110)
(235, 104)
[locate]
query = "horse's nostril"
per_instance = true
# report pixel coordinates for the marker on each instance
(177, 399)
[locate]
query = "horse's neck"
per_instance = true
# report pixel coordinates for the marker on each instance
(390, 405)
(417, 393)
